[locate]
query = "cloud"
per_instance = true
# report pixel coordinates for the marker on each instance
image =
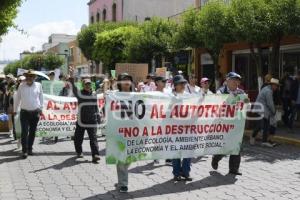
(15, 42)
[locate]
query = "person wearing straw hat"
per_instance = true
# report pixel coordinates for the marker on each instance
(30, 99)
(265, 98)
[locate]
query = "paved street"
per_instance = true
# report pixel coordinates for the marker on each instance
(54, 173)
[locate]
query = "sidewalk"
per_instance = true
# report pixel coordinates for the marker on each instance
(284, 135)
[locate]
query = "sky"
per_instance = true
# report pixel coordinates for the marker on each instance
(39, 19)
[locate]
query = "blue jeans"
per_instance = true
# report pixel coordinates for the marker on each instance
(182, 167)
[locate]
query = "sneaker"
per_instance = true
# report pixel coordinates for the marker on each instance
(214, 164)
(79, 155)
(267, 144)
(177, 178)
(187, 178)
(252, 140)
(96, 158)
(24, 155)
(123, 189)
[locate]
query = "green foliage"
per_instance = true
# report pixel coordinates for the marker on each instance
(87, 37)
(12, 67)
(284, 18)
(186, 35)
(250, 20)
(110, 45)
(152, 41)
(35, 61)
(213, 26)
(8, 12)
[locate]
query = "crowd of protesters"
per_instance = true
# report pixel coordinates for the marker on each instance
(25, 95)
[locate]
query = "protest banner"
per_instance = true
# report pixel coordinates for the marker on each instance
(59, 116)
(162, 126)
(137, 71)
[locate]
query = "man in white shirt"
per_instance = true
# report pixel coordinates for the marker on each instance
(30, 99)
(192, 88)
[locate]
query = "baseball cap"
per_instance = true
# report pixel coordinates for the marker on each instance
(204, 80)
(233, 75)
(179, 79)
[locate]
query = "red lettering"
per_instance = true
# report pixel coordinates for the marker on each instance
(66, 106)
(154, 112)
(145, 132)
(162, 114)
(174, 112)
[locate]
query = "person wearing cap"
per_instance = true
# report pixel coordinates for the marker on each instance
(149, 84)
(205, 86)
(295, 100)
(30, 99)
(230, 87)
(125, 85)
(181, 167)
(265, 98)
(191, 87)
(87, 118)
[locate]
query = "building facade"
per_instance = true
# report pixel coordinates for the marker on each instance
(135, 10)
(62, 50)
(55, 39)
(77, 59)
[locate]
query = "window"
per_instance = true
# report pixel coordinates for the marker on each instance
(92, 19)
(114, 12)
(104, 15)
(98, 17)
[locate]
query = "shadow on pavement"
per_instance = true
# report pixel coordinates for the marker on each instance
(271, 155)
(169, 187)
(12, 154)
(70, 162)
(151, 166)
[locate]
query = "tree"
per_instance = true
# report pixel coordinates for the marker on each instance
(8, 12)
(36, 62)
(250, 19)
(214, 30)
(284, 20)
(187, 33)
(87, 37)
(110, 45)
(152, 42)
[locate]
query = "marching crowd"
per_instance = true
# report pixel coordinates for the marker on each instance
(25, 95)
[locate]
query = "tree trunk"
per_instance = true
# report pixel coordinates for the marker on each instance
(217, 71)
(275, 55)
(257, 58)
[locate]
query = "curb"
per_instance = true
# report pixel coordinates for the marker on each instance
(278, 139)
